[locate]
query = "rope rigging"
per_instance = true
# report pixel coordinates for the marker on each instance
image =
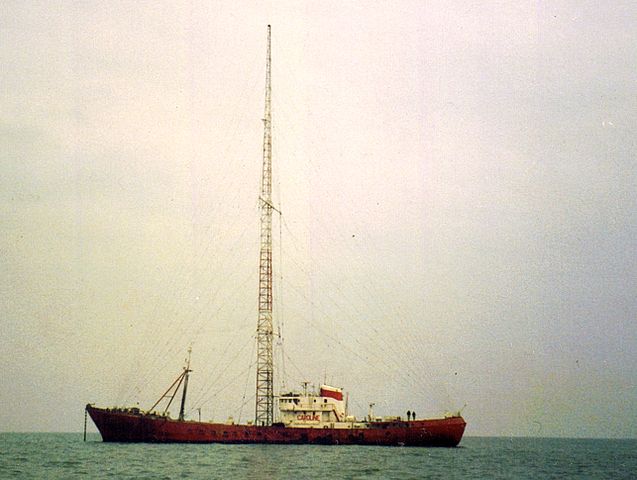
(370, 346)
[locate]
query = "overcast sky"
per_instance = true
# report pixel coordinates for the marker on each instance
(457, 185)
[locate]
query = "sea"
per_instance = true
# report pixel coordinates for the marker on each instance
(67, 456)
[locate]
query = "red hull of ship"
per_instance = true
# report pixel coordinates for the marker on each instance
(124, 426)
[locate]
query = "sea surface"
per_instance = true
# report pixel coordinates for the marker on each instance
(66, 456)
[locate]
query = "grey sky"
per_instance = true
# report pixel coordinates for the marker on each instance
(457, 181)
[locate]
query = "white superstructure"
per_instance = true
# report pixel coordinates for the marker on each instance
(325, 409)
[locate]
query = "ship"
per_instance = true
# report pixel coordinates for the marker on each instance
(310, 416)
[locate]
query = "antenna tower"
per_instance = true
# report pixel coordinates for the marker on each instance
(265, 371)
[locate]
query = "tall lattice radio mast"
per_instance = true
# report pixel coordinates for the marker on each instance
(265, 370)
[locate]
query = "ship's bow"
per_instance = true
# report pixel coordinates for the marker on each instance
(116, 425)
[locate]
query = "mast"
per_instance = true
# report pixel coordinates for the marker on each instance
(171, 392)
(183, 395)
(265, 372)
